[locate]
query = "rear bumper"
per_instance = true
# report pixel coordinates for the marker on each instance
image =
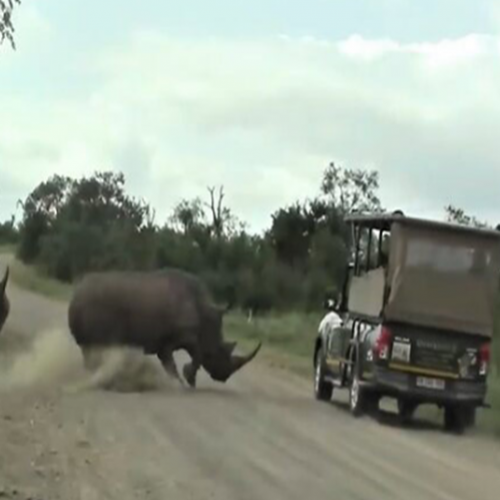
(401, 384)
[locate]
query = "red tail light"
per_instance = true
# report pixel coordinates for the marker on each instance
(383, 343)
(484, 358)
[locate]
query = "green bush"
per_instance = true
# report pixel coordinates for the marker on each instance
(9, 233)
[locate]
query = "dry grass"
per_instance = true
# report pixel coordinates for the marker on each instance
(288, 339)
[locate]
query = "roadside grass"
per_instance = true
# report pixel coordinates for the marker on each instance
(7, 248)
(288, 339)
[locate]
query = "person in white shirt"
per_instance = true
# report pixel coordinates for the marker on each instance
(332, 319)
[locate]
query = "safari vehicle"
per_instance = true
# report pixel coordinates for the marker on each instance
(418, 307)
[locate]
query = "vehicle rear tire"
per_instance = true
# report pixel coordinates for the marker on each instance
(372, 404)
(358, 398)
(406, 410)
(454, 419)
(469, 416)
(323, 389)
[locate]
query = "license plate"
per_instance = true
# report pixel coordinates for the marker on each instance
(401, 351)
(430, 383)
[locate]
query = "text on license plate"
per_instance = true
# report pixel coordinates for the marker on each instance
(430, 383)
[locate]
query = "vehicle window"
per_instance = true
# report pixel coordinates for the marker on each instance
(375, 254)
(446, 258)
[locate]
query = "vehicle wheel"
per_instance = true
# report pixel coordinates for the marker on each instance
(454, 419)
(322, 389)
(372, 404)
(469, 416)
(406, 410)
(358, 401)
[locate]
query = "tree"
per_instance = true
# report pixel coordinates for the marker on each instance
(74, 226)
(48, 197)
(458, 216)
(41, 208)
(6, 26)
(351, 190)
(191, 216)
(9, 233)
(325, 214)
(294, 228)
(326, 267)
(187, 215)
(291, 233)
(101, 200)
(224, 222)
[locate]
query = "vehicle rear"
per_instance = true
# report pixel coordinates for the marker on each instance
(429, 365)
(425, 316)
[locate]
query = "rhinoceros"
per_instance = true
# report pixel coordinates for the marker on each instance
(157, 312)
(4, 300)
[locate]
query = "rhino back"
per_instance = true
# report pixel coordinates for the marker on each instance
(142, 309)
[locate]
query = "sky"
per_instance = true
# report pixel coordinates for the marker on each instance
(257, 96)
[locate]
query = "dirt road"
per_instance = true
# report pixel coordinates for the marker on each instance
(261, 436)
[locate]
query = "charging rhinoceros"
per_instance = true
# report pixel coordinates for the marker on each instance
(158, 312)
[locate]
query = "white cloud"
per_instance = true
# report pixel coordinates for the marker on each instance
(441, 54)
(357, 46)
(452, 52)
(265, 117)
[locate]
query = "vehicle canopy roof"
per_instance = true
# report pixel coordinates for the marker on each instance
(384, 221)
(439, 274)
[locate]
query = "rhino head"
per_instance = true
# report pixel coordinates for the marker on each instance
(4, 300)
(223, 363)
(220, 362)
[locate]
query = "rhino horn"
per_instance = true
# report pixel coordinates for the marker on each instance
(3, 283)
(238, 362)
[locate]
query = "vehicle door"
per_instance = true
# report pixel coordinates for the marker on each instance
(338, 339)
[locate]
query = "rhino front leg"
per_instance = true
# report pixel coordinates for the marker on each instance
(190, 370)
(92, 358)
(167, 360)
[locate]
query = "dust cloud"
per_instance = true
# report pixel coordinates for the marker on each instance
(50, 358)
(125, 370)
(53, 360)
